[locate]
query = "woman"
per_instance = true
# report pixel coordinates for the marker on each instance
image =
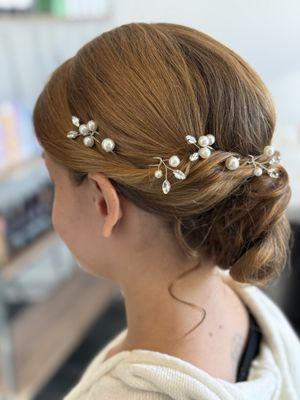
(158, 141)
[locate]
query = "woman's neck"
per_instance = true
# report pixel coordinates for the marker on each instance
(157, 321)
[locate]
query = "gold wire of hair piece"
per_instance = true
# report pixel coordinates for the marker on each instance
(203, 143)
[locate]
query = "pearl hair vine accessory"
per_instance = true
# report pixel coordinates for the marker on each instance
(88, 131)
(203, 143)
(231, 163)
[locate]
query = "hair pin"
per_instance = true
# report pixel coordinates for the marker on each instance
(203, 143)
(88, 131)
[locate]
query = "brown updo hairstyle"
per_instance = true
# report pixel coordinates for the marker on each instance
(147, 85)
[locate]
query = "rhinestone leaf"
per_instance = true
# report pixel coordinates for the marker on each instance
(72, 134)
(194, 156)
(274, 160)
(75, 120)
(273, 173)
(191, 139)
(179, 174)
(166, 186)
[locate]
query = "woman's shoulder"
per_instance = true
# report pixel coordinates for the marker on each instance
(258, 301)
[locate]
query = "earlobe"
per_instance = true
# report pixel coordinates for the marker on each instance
(114, 213)
(106, 230)
(111, 207)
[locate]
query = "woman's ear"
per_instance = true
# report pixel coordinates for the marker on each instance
(107, 202)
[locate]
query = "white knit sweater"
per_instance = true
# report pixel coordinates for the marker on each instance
(149, 375)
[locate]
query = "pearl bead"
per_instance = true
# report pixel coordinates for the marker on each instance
(83, 129)
(92, 126)
(88, 141)
(273, 173)
(158, 173)
(203, 140)
(108, 144)
(205, 152)
(174, 161)
(211, 139)
(275, 160)
(269, 151)
(258, 171)
(232, 163)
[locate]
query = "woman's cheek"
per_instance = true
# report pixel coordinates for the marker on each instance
(53, 215)
(56, 216)
(63, 221)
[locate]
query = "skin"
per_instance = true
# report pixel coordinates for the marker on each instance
(113, 239)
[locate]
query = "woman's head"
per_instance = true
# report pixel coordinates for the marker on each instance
(148, 85)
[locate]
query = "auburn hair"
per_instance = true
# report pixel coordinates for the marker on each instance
(147, 85)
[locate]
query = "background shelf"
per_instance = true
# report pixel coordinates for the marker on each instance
(46, 332)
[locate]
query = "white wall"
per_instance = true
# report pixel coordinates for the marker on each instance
(266, 33)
